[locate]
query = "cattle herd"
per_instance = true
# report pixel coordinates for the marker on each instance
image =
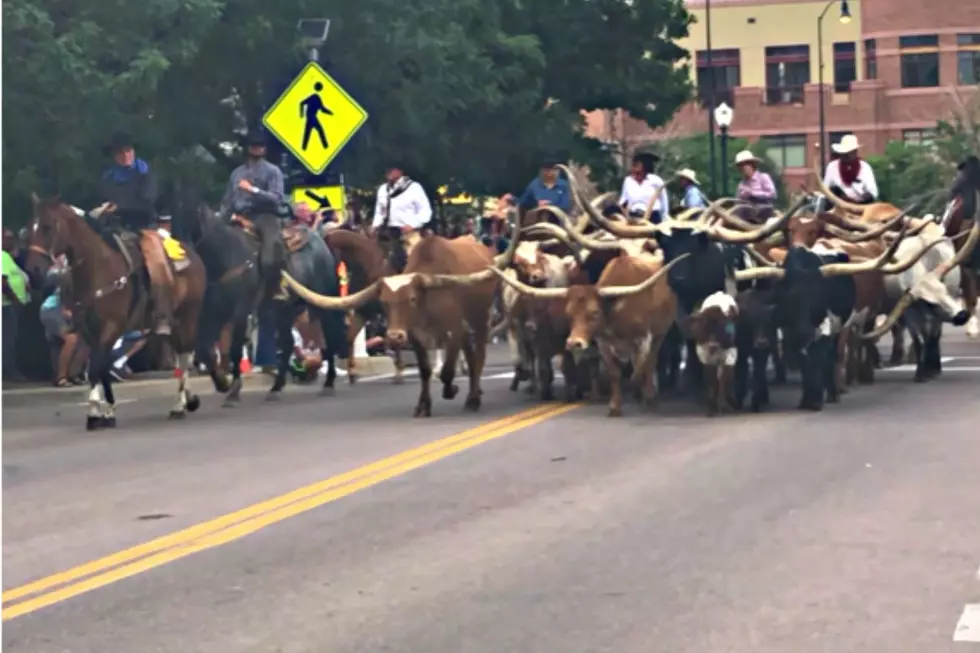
(626, 302)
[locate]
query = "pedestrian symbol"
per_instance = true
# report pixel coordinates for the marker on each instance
(314, 118)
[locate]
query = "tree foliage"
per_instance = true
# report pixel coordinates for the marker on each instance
(458, 89)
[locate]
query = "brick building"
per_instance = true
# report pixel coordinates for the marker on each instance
(891, 70)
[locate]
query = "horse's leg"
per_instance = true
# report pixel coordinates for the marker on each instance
(284, 340)
(204, 352)
(180, 407)
(96, 396)
(109, 408)
(238, 334)
(332, 330)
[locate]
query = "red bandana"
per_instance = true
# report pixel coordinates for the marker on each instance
(849, 170)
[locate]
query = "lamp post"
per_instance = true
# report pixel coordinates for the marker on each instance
(711, 99)
(723, 116)
(845, 18)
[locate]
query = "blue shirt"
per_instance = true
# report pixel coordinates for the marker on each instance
(559, 195)
(694, 198)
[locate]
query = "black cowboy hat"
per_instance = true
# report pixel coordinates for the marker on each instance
(255, 138)
(971, 162)
(551, 161)
(119, 141)
(647, 159)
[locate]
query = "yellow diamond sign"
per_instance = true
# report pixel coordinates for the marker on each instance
(314, 118)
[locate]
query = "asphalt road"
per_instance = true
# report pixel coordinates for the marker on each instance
(275, 528)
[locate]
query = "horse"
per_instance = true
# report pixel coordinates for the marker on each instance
(958, 218)
(233, 290)
(110, 296)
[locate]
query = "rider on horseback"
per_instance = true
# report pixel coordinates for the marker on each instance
(255, 182)
(129, 191)
(402, 208)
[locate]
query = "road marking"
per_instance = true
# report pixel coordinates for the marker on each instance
(233, 526)
(968, 627)
(911, 368)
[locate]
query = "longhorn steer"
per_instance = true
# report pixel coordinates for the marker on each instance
(814, 297)
(925, 295)
(442, 299)
(713, 327)
(627, 312)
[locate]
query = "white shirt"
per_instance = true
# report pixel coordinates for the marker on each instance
(865, 181)
(409, 209)
(636, 195)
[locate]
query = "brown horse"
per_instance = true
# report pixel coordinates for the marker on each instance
(110, 297)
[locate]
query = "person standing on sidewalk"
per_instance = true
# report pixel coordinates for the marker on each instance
(16, 294)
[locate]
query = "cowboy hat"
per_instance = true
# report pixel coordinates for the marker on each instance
(848, 143)
(746, 156)
(119, 141)
(255, 138)
(688, 174)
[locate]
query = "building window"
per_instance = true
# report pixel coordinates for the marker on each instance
(787, 72)
(786, 150)
(726, 71)
(920, 60)
(870, 59)
(968, 59)
(845, 66)
(925, 137)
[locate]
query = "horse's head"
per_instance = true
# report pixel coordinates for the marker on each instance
(48, 234)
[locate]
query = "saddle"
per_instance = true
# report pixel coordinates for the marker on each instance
(296, 237)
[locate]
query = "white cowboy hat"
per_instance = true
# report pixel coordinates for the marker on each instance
(746, 156)
(848, 143)
(688, 174)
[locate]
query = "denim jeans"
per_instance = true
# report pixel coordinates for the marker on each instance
(265, 349)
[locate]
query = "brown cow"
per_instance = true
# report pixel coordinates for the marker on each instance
(442, 299)
(627, 312)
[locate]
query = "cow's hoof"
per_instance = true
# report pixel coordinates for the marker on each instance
(328, 391)
(193, 403)
(450, 390)
(615, 412)
(108, 422)
(547, 394)
(531, 390)
(222, 385)
(833, 398)
(274, 395)
(398, 380)
(810, 405)
(473, 403)
(178, 414)
(231, 402)
(515, 382)
(353, 378)
(423, 409)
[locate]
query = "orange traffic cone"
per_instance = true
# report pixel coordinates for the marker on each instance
(245, 365)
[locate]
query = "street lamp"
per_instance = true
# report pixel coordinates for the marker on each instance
(723, 116)
(845, 18)
(313, 34)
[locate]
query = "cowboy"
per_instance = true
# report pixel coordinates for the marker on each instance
(548, 188)
(129, 191)
(401, 208)
(849, 176)
(693, 197)
(639, 188)
(255, 183)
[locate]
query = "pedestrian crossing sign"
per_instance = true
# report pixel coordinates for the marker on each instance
(314, 118)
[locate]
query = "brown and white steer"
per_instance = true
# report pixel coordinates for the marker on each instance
(628, 312)
(713, 328)
(441, 300)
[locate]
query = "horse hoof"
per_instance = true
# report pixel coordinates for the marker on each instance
(450, 391)
(615, 412)
(193, 402)
(274, 395)
(178, 414)
(108, 422)
(327, 391)
(353, 378)
(423, 410)
(472, 403)
(93, 423)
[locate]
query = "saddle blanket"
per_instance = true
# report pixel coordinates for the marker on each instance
(175, 251)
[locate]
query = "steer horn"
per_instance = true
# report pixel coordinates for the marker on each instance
(875, 231)
(329, 302)
(740, 237)
(500, 262)
(610, 292)
(590, 243)
(838, 269)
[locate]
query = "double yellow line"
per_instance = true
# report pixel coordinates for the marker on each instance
(227, 528)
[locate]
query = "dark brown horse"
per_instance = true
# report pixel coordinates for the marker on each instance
(110, 296)
(962, 210)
